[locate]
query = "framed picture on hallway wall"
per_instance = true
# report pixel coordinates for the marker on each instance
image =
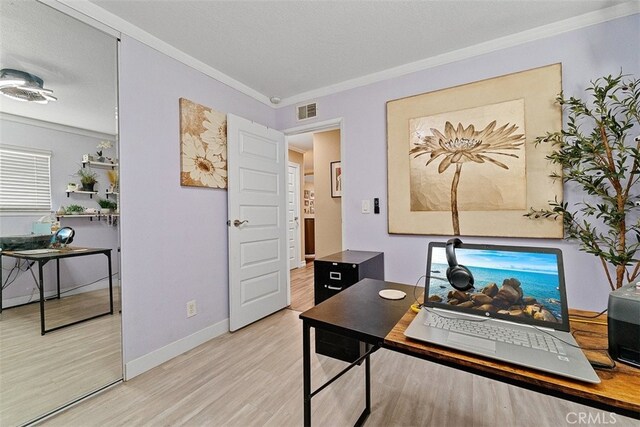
(336, 179)
(462, 162)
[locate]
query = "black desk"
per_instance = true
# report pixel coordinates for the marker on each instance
(43, 259)
(357, 312)
(360, 313)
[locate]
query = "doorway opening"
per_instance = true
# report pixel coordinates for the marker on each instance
(320, 225)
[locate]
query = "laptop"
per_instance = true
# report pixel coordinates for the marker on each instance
(516, 311)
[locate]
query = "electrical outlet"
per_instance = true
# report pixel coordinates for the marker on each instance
(192, 310)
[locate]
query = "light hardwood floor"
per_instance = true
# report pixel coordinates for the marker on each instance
(41, 373)
(253, 377)
(302, 288)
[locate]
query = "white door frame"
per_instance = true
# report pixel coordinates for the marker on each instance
(337, 123)
(298, 260)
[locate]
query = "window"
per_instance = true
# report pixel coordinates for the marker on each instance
(25, 180)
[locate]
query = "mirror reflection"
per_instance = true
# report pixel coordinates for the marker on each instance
(60, 324)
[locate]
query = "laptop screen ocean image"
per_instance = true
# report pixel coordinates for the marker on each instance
(518, 284)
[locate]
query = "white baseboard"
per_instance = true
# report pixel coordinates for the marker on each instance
(11, 302)
(302, 264)
(176, 348)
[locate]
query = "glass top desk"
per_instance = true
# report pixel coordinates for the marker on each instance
(42, 258)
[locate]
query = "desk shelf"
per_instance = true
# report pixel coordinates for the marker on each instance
(112, 194)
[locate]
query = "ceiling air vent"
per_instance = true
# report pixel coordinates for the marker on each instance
(307, 111)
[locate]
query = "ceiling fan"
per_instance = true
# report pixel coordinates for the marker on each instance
(22, 86)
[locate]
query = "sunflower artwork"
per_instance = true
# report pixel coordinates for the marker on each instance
(203, 146)
(487, 143)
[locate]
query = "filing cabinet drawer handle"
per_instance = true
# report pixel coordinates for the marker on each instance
(334, 275)
(334, 288)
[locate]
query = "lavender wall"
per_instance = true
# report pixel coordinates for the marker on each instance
(66, 145)
(585, 54)
(174, 239)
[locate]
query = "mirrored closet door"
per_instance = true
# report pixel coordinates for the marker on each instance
(58, 132)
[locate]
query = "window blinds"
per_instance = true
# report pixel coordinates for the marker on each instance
(25, 181)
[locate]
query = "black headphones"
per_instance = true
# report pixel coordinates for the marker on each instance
(458, 276)
(63, 236)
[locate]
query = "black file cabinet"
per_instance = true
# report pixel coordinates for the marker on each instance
(333, 274)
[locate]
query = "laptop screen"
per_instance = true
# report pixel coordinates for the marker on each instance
(519, 284)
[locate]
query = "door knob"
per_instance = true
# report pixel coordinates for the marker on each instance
(238, 223)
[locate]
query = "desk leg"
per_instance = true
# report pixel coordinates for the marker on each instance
(1, 284)
(367, 381)
(41, 280)
(367, 391)
(306, 372)
(110, 283)
(58, 275)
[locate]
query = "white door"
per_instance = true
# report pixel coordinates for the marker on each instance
(293, 215)
(257, 206)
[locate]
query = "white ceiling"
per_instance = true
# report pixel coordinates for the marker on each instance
(288, 49)
(75, 60)
(301, 141)
(284, 48)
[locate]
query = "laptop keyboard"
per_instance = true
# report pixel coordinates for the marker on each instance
(496, 333)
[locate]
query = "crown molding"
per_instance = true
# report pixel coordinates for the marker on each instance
(538, 33)
(55, 4)
(296, 149)
(109, 19)
(56, 126)
(114, 23)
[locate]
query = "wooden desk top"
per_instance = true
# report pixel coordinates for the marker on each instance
(619, 387)
(68, 252)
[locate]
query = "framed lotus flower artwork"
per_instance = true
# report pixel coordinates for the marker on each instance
(203, 146)
(461, 161)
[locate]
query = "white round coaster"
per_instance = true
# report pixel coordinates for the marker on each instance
(392, 294)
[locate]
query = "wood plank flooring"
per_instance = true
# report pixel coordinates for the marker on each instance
(40, 373)
(253, 377)
(302, 288)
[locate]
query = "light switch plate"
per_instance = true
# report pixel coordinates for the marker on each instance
(366, 206)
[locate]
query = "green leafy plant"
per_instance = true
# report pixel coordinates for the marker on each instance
(87, 176)
(107, 204)
(600, 157)
(71, 209)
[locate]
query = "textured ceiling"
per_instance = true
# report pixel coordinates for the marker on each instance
(75, 60)
(284, 48)
(275, 48)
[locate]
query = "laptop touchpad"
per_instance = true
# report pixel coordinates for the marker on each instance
(471, 342)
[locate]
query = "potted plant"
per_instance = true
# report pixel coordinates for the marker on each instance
(107, 206)
(75, 209)
(88, 178)
(599, 151)
(72, 186)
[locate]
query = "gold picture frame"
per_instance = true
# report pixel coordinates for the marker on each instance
(461, 160)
